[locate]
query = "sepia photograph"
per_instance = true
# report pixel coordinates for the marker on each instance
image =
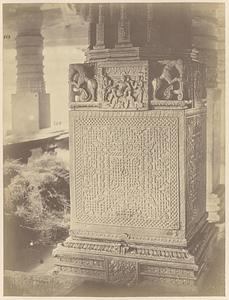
(113, 138)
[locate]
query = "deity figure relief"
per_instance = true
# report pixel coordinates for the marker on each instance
(109, 90)
(138, 87)
(125, 93)
(83, 88)
(169, 85)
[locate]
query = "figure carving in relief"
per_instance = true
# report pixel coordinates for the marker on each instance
(169, 85)
(138, 87)
(83, 88)
(126, 93)
(109, 91)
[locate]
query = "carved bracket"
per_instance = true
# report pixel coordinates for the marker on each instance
(179, 82)
(82, 85)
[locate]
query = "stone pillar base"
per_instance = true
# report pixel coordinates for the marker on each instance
(25, 113)
(213, 208)
(35, 114)
(215, 205)
(110, 261)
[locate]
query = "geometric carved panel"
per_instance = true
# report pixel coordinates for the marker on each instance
(126, 170)
(195, 168)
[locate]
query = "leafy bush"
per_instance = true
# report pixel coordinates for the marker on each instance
(11, 169)
(38, 194)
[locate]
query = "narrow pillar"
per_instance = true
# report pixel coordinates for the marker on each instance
(124, 35)
(221, 82)
(91, 27)
(213, 137)
(100, 28)
(152, 30)
(30, 98)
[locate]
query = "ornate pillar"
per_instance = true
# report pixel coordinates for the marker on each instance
(152, 29)
(124, 35)
(91, 26)
(138, 175)
(30, 91)
(100, 28)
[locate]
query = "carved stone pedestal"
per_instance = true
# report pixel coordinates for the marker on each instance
(123, 263)
(138, 154)
(138, 196)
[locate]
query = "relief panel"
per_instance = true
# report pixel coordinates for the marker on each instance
(123, 86)
(82, 84)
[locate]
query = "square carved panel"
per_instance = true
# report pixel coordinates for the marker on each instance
(126, 170)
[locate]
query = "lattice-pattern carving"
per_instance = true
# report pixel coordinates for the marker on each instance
(122, 272)
(126, 170)
(196, 167)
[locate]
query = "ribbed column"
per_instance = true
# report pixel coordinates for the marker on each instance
(29, 45)
(30, 98)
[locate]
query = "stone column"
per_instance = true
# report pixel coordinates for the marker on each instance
(100, 28)
(205, 34)
(152, 30)
(91, 27)
(124, 34)
(30, 91)
(221, 82)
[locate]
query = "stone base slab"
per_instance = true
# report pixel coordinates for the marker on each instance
(107, 261)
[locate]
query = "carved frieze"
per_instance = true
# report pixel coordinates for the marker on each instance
(82, 84)
(124, 249)
(84, 263)
(165, 272)
(123, 86)
(90, 273)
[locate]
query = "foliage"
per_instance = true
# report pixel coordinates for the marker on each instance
(38, 194)
(11, 169)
